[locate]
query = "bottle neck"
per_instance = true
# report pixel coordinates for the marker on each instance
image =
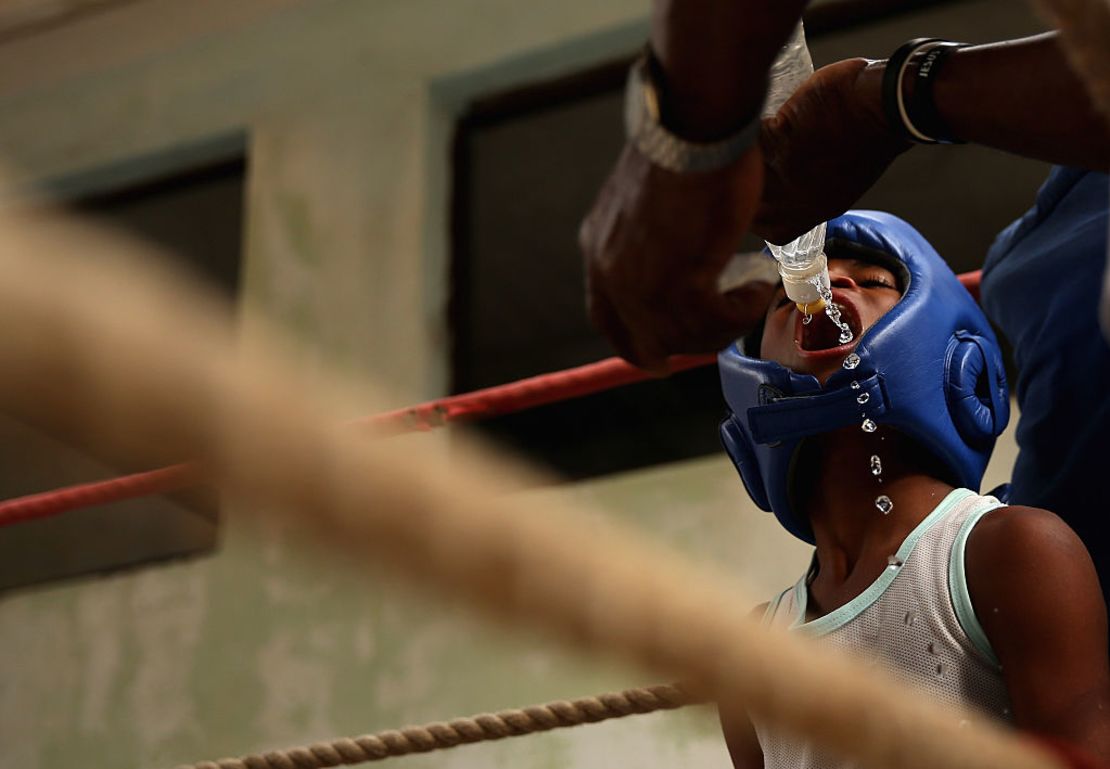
(807, 285)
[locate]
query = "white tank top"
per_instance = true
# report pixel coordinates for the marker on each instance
(916, 619)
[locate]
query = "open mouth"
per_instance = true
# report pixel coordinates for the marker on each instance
(822, 334)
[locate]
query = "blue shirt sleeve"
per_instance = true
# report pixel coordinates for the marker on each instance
(1041, 286)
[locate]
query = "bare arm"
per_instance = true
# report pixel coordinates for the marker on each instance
(743, 745)
(1037, 597)
(715, 56)
(1022, 96)
(655, 241)
(740, 738)
(831, 141)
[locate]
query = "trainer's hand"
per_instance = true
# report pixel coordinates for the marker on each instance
(828, 144)
(654, 244)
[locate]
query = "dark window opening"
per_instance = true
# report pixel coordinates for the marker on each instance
(197, 216)
(527, 168)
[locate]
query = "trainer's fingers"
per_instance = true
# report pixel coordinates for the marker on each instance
(720, 319)
(640, 349)
(746, 305)
(775, 225)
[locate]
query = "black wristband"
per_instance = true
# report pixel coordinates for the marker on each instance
(892, 84)
(921, 108)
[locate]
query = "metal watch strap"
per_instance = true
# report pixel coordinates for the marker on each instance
(668, 151)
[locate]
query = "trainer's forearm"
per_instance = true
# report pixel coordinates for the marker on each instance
(715, 56)
(1022, 96)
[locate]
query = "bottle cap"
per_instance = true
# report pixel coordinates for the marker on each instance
(807, 285)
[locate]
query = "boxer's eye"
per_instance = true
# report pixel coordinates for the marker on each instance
(878, 283)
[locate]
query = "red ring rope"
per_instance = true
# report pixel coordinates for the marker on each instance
(491, 401)
(48, 503)
(525, 394)
(971, 281)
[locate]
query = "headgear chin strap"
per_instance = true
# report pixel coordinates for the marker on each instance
(931, 368)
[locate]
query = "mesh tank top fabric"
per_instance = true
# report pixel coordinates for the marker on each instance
(908, 624)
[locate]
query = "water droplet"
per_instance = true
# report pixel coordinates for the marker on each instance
(894, 562)
(832, 310)
(868, 426)
(883, 503)
(862, 398)
(909, 619)
(806, 319)
(940, 673)
(854, 385)
(851, 361)
(876, 465)
(932, 648)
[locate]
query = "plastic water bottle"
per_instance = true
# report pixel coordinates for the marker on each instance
(802, 263)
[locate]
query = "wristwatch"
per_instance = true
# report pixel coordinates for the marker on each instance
(644, 128)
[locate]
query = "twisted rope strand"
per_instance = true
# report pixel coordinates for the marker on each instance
(483, 727)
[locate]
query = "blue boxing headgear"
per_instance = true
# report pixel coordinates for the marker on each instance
(931, 368)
